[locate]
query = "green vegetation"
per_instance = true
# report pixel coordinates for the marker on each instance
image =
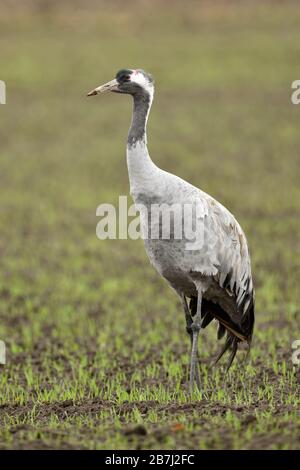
(97, 354)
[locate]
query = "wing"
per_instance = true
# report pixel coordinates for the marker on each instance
(232, 261)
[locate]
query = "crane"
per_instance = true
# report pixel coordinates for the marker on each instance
(215, 275)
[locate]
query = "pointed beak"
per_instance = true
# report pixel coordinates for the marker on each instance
(109, 86)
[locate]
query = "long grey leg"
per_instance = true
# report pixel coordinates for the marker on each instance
(188, 316)
(189, 323)
(196, 326)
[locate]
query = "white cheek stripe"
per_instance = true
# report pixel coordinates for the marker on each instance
(140, 79)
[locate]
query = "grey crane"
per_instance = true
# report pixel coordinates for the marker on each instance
(216, 274)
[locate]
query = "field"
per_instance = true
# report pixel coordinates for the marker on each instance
(97, 353)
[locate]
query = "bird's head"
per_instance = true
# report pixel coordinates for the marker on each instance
(128, 81)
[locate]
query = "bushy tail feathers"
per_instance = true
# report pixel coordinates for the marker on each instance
(235, 333)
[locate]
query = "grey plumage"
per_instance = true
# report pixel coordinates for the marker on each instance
(216, 277)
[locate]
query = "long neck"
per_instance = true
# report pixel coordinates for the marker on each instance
(140, 165)
(141, 108)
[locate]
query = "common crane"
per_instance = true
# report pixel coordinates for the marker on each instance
(215, 276)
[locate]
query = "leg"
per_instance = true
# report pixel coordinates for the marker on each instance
(195, 327)
(188, 316)
(189, 322)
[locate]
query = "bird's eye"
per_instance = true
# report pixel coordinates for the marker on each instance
(123, 76)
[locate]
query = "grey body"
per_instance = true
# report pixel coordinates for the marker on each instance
(224, 255)
(216, 274)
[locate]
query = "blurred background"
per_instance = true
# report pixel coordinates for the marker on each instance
(222, 119)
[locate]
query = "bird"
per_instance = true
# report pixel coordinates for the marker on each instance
(211, 275)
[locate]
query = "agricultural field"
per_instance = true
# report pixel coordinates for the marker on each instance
(97, 352)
